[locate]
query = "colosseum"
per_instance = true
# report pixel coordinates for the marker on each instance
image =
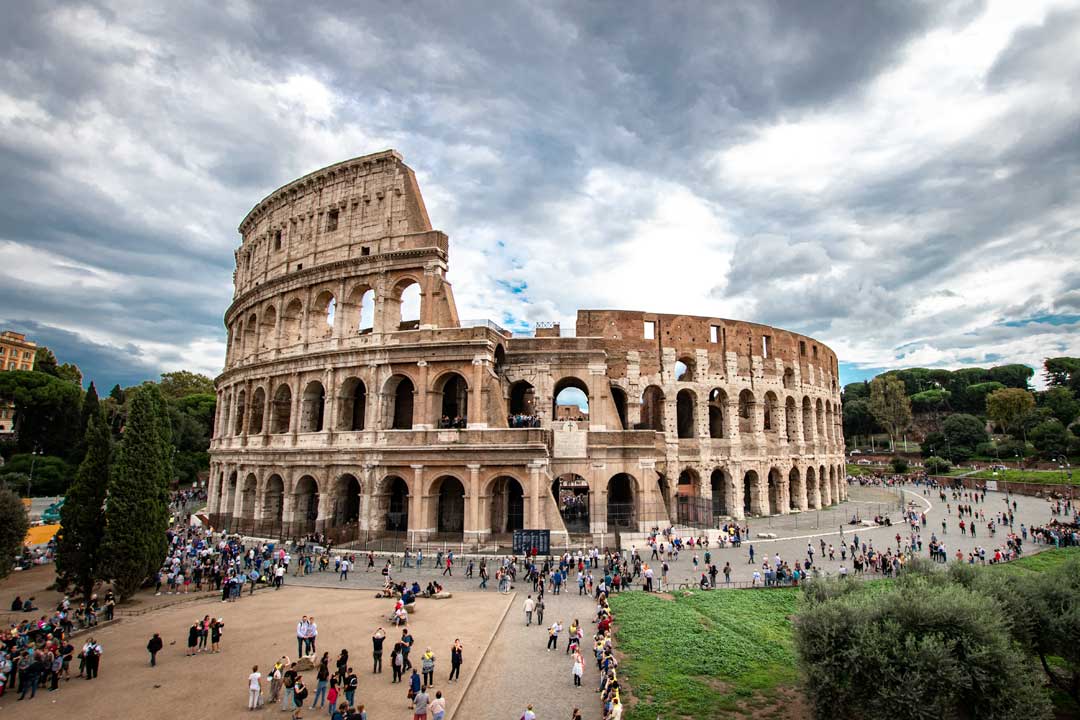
(355, 402)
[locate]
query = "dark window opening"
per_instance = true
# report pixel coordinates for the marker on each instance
(331, 220)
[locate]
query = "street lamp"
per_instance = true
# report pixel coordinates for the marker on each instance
(33, 461)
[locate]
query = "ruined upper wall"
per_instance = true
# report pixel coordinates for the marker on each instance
(721, 339)
(332, 214)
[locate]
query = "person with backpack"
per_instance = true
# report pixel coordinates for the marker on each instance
(92, 654)
(288, 681)
(427, 666)
(154, 647)
(414, 686)
(351, 683)
(300, 693)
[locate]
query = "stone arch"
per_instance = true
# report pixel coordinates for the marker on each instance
(568, 389)
(273, 505)
(345, 509)
(292, 323)
(618, 397)
(247, 497)
(776, 492)
(790, 427)
(268, 328)
(398, 395)
(282, 409)
(312, 408)
(255, 417)
(361, 309)
(747, 401)
(718, 400)
(405, 303)
(305, 505)
(392, 500)
(686, 413)
(622, 501)
(652, 409)
(751, 493)
(685, 369)
(454, 393)
(352, 405)
(769, 421)
(507, 511)
(498, 360)
(723, 500)
(689, 483)
(448, 506)
(241, 409)
(571, 493)
(689, 508)
(251, 335)
(807, 420)
(813, 490)
(796, 491)
(321, 320)
(522, 399)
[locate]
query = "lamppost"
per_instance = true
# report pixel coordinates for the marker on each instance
(33, 461)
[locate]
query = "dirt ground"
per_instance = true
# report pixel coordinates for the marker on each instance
(258, 630)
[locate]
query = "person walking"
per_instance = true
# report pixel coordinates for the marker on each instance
(553, 635)
(455, 661)
(344, 574)
(438, 706)
(216, 627)
(254, 687)
(420, 705)
(322, 678)
(92, 653)
(288, 682)
(351, 682)
(397, 663)
(577, 668)
(414, 687)
(540, 610)
(193, 639)
(154, 647)
(377, 641)
(427, 667)
(530, 604)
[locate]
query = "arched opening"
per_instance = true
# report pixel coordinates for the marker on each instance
(807, 420)
(499, 360)
(361, 309)
(241, 408)
(685, 403)
(720, 484)
(397, 505)
(795, 489)
(451, 506)
(789, 419)
(454, 412)
(684, 369)
(834, 487)
(813, 492)
(823, 484)
(717, 404)
(688, 483)
(322, 316)
(311, 412)
(618, 397)
(776, 491)
(400, 409)
(507, 505)
(282, 409)
(247, 498)
(522, 398)
(570, 400)
(652, 409)
(251, 335)
(305, 505)
(621, 510)
(690, 509)
(770, 411)
(255, 419)
(346, 509)
(407, 298)
(352, 405)
(789, 378)
(746, 412)
(751, 501)
(267, 327)
(292, 321)
(273, 505)
(571, 493)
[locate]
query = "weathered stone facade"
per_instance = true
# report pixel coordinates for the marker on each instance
(335, 414)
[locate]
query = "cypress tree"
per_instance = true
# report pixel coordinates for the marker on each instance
(137, 511)
(82, 517)
(91, 408)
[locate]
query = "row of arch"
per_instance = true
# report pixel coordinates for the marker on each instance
(323, 315)
(773, 492)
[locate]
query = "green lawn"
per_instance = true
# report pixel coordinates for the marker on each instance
(1039, 562)
(706, 654)
(1046, 477)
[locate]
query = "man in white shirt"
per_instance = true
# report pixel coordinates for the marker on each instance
(301, 635)
(530, 605)
(254, 688)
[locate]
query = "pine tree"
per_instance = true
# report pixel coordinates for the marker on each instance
(82, 517)
(13, 526)
(137, 511)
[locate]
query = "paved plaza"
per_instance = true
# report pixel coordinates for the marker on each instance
(506, 664)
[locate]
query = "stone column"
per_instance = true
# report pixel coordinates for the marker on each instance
(477, 418)
(598, 405)
(535, 481)
(368, 478)
(418, 529)
(322, 519)
(288, 509)
(268, 404)
(294, 412)
(731, 420)
(423, 405)
(473, 529)
(330, 402)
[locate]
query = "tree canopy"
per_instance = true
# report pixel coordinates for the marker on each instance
(82, 517)
(890, 405)
(13, 527)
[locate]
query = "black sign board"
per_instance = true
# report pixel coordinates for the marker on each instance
(525, 541)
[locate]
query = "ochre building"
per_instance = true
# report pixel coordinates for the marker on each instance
(16, 353)
(355, 402)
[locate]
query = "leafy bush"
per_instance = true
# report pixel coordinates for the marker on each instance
(899, 464)
(937, 465)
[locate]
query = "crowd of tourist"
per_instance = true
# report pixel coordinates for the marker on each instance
(520, 420)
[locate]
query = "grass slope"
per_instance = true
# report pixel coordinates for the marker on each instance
(706, 654)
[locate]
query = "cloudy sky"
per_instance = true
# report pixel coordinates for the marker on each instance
(898, 179)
